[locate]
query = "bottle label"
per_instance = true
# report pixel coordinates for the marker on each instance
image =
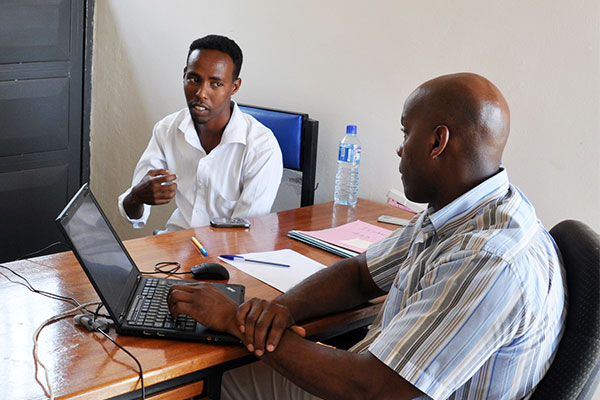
(349, 154)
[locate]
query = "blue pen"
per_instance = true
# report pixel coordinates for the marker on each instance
(240, 258)
(199, 246)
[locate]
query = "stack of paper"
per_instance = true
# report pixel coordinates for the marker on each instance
(347, 240)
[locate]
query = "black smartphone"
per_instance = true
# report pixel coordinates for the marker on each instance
(230, 223)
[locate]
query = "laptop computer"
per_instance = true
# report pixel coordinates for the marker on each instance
(137, 304)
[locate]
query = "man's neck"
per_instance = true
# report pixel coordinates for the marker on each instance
(457, 189)
(210, 134)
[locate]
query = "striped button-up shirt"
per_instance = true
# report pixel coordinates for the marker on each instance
(476, 300)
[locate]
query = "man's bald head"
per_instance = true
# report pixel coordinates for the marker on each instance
(456, 127)
(472, 107)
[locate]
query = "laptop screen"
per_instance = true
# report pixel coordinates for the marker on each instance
(99, 250)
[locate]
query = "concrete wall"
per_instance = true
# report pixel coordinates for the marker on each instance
(355, 62)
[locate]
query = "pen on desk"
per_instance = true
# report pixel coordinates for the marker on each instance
(199, 246)
(241, 258)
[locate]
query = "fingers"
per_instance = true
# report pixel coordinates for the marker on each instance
(240, 316)
(179, 300)
(298, 330)
(157, 187)
(279, 324)
(250, 323)
(263, 323)
(156, 172)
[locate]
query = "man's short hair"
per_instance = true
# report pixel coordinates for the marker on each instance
(222, 44)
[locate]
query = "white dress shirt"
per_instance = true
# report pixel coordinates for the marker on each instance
(239, 178)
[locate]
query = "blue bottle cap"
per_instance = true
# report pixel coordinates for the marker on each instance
(351, 129)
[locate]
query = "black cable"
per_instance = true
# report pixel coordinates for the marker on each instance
(42, 292)
(172, 271)
(132, 356)
(44, 249)
(94, 313)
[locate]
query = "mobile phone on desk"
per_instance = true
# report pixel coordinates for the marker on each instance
(393, 220)
(222, 222)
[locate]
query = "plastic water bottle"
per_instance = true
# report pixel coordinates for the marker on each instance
(346, 178)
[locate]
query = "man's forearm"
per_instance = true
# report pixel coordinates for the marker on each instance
(336, 374)
(133, 209)
(343, 285)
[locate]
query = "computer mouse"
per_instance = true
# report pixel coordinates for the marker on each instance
(211, 271)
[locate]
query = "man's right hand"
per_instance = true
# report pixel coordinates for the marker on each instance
(153, 189)
(263, 322)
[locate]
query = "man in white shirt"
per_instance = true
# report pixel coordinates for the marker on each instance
(213, 159)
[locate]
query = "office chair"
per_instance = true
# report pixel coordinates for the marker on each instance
(573, 374)
(297, 135)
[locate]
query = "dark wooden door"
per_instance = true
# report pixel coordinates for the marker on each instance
(43, 157)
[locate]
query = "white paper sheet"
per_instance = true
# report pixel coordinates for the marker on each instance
(281, 278)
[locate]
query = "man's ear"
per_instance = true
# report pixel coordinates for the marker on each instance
(184, 71)
(441, 135)
(236, 85)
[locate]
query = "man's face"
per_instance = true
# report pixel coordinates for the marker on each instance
(415, 150)
(208, 85)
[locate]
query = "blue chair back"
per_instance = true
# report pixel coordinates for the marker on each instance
(297, 137)
(287, 129)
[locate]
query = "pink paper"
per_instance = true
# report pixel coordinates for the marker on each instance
(355, 236)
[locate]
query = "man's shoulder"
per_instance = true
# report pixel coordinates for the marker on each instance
(172, 120)
(257, 134)
(506, 226)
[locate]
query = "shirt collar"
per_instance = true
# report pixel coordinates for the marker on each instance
(475, 198)
(235, 130)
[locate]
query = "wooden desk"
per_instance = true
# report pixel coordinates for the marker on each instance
(85, 365)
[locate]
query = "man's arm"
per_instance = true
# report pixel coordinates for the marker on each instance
(321, 370)
(146, 180)
(260, 182)
(337, 374)
(154, 189)
(344, 285)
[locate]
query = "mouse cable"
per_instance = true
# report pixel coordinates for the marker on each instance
(158, 268)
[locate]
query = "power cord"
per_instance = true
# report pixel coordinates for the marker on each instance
(37, 333)
(34, 253)
(96, 325)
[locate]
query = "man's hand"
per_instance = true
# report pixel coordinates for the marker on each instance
(262, 323)
(153, 189)
(206, 304)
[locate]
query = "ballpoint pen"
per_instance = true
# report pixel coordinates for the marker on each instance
(199, 246)
(241, 258)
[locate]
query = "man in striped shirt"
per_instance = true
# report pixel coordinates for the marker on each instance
(476, 298)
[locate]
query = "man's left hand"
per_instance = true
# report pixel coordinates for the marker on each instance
(206, 304)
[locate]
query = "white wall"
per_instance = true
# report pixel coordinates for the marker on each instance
(355, 62)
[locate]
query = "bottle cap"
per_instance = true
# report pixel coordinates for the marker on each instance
(351, 129)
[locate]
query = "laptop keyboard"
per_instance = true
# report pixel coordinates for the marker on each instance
(151, 310)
